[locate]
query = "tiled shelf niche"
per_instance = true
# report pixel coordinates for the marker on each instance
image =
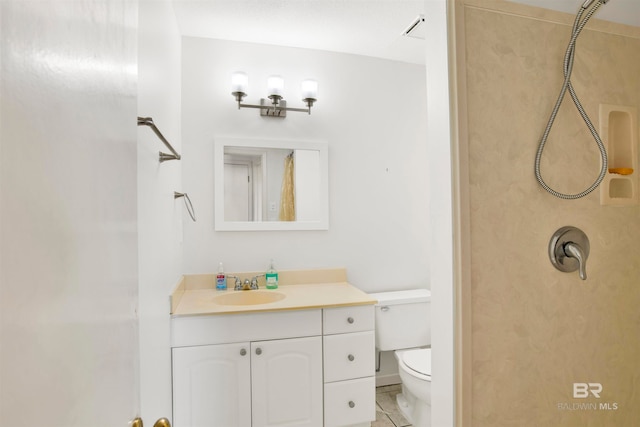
(619, 132)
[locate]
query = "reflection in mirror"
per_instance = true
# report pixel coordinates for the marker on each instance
(271, 185)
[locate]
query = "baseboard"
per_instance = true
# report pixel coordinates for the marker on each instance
(388, 379)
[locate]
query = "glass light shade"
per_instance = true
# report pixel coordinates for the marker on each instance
(275, 86)
(309, 89)
(239, 82)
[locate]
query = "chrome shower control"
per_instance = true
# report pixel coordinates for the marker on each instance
(569, 250)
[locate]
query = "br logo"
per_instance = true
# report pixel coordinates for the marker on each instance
(582, 390)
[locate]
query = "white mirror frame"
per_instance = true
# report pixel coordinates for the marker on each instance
(222, 225)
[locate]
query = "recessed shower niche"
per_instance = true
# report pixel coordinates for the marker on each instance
(618, 129)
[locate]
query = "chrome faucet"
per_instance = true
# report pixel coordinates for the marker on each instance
(254, 281)
(247, 284)
(238, 282)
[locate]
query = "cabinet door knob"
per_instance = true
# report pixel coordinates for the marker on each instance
(258, 351)
(351, 357)
(351, 404)
(243, 352)
(350, 319)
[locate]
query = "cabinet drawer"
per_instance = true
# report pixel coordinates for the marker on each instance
(348, 356)
(349, 402)
(342, 320)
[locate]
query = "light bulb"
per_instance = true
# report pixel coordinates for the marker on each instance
(275, 86)
(239, 82)
(309, 89)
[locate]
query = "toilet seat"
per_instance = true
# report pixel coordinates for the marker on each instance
(417, 361)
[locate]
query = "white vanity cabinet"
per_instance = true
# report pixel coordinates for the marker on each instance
(312, 368)
(349, 366)
(273, 377)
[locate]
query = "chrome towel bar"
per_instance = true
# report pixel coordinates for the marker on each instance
(148, 121)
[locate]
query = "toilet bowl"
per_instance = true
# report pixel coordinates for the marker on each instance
(414, 367)
(402, 325)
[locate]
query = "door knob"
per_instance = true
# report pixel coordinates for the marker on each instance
(162, 422)
(569, 249)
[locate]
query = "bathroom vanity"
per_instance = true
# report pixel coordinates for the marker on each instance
(301, 355)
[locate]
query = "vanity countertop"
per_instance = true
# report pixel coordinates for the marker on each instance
(196, 294)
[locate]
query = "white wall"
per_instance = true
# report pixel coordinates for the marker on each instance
(275, 172)
(159, 215)
(443, 301)
(372, 114)
(307, 178)
(68, 246)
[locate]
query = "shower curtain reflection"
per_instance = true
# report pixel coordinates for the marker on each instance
(287, 194)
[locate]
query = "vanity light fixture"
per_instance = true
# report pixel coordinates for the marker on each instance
(276, 107)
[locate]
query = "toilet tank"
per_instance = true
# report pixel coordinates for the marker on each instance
(402, 319)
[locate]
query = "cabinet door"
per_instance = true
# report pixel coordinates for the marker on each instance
(212, 386)
(287, 382)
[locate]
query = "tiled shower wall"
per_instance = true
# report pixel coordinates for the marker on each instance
(534, 330)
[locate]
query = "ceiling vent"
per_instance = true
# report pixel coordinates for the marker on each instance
(416, 28)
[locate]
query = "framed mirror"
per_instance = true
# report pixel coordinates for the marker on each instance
(263, 184)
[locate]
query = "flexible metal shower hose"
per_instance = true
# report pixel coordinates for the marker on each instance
(578, 25)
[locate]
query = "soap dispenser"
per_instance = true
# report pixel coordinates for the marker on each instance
(272, 277)
(221, 279)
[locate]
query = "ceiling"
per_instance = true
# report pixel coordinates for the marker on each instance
(364, 27)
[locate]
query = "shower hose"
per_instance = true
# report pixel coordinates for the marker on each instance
(578, 25)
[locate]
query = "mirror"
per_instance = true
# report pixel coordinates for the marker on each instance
(270, 185)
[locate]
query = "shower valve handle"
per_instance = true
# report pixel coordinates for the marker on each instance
(575, 251)
(569, 250)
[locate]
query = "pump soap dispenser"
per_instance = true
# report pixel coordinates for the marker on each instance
(272, 277)
(221, 279)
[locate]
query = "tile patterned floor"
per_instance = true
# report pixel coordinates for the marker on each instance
(387, 412)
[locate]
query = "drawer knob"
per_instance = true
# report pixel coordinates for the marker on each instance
(352, 404)
(350, 320)
(351, 357)
(243, 352)
(258, 351)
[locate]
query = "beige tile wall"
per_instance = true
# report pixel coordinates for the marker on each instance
(535, 330)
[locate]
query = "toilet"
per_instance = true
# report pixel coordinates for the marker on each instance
(403, 324)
